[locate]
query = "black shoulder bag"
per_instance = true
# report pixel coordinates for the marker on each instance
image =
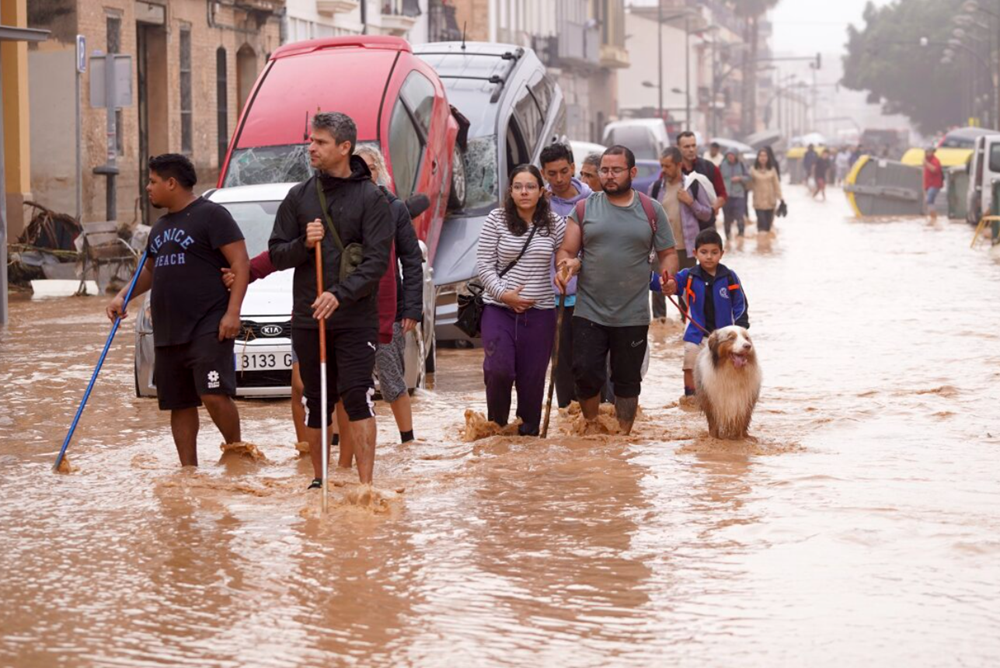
(470, 306)
(351, 256)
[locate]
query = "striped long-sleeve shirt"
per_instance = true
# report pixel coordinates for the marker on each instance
(532, 273)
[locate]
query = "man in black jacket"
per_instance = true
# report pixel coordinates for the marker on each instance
(357, 211)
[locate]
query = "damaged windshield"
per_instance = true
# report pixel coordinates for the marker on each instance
(481, 173)
(268, 164)
(273, 164)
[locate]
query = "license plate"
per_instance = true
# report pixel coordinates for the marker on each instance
(263, 361)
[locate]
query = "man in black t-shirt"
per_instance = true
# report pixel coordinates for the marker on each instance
(195, 318)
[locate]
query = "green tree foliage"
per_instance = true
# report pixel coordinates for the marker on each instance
(886, 59)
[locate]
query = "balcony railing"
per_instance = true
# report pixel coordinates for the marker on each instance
(579, 44)
(398, 16)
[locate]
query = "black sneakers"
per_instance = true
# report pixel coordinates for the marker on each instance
(317, 483)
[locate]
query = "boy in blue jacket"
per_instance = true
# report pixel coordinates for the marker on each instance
(714, 296)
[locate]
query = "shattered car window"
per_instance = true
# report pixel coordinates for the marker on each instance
(481, 173)
(268, 164)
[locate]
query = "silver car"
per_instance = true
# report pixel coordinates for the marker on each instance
(264, 349)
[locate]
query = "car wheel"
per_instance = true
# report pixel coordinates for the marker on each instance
(456, 198)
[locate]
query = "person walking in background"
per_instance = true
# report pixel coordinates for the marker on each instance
(564, 191)
(843, 164)
(688, 144)
(821, 170)
(687, 206)
(195, 319)
(615, 231)
(715, 155)
(514, 260)
(339, 199)
(933, 180)
(736, 177)
(588, 172)
(766, 191)
(808, 162)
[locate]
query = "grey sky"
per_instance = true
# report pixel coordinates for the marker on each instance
(807, 26)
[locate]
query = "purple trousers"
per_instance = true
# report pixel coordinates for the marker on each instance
(517, 349)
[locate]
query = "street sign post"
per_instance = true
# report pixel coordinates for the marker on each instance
(111, 88)
(81, 67)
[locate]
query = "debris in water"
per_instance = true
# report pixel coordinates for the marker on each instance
(750, 446)
(65, 467)
(354, 495)
(245, 450)
(302, 447)
(478, 427)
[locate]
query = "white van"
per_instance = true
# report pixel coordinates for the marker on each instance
(984, 171)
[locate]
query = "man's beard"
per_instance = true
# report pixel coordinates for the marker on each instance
(614, 188)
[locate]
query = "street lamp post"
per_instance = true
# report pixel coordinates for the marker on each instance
(659, 54)
(971, 6)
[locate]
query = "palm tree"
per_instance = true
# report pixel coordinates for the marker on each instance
(751, 11)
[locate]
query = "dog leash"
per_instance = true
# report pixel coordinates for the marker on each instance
(685, 315)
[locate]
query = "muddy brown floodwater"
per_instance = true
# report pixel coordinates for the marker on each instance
(862, 528)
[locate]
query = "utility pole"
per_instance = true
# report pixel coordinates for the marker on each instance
(687, 70)
(659, 56)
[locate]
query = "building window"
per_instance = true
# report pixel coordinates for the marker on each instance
(185, 71)
(222, 102)
(114, 34)
(114, 28)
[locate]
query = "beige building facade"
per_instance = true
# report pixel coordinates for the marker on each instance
(193, 65)
(581, 43)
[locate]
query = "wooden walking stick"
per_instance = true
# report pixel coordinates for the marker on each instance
(555, 365)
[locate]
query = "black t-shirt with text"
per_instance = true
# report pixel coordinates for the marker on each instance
(188, 297)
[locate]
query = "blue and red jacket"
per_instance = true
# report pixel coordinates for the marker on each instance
(729, 302)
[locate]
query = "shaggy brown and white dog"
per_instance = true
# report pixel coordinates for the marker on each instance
(727, 380)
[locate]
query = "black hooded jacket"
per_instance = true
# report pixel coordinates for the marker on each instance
(409, 284)
(361, 214)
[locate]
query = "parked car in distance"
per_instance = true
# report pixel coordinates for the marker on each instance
(515, 109)
(984, 171)
(397, 101)
(963, 137)
(581, 149)
(745, 151)
(646, 137)
(264, 349)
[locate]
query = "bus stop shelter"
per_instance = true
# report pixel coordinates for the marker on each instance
(9, 34)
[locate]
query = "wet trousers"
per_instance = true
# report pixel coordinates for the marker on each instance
(734, 210)
(765, 218)
(517, 348)
(565, 381)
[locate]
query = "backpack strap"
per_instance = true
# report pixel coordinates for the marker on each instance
(647, 206)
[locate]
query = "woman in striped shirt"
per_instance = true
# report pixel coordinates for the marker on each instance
(519, 321)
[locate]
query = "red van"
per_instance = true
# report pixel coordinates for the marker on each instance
(397, 101)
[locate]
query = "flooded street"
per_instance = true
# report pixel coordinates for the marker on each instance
(862, 528)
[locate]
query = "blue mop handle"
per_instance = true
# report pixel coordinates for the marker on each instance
(100, 363)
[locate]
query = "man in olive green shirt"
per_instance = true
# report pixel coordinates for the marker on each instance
(616, 238)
